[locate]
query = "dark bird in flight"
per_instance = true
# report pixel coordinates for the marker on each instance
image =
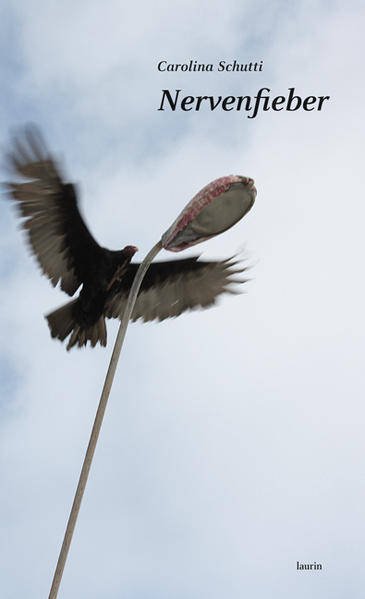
(68, 254)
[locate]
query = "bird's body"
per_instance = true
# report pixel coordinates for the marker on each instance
(68, 254)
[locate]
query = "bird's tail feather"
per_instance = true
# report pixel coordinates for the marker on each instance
(64, 321)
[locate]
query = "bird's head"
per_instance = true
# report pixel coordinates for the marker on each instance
(129, 251)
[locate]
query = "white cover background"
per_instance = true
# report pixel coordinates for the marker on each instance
(233, 444)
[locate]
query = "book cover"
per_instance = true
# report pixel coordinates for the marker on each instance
(230, 461)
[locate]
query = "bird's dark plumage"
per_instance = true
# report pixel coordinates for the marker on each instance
(68, 254)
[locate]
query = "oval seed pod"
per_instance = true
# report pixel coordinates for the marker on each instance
(216, 208)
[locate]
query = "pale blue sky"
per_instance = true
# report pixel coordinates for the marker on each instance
(233, 443)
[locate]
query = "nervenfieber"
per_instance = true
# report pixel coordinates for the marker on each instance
(250, 104)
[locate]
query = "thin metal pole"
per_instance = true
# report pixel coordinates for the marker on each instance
(99, 419)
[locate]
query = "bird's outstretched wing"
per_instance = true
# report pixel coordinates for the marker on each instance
(56, 232)
(170, 288)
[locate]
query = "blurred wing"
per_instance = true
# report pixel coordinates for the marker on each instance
(170, 288)
(56, 231)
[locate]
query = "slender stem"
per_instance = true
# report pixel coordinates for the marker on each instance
(99, 419)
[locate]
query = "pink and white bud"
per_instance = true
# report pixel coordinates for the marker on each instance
(213, 210)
